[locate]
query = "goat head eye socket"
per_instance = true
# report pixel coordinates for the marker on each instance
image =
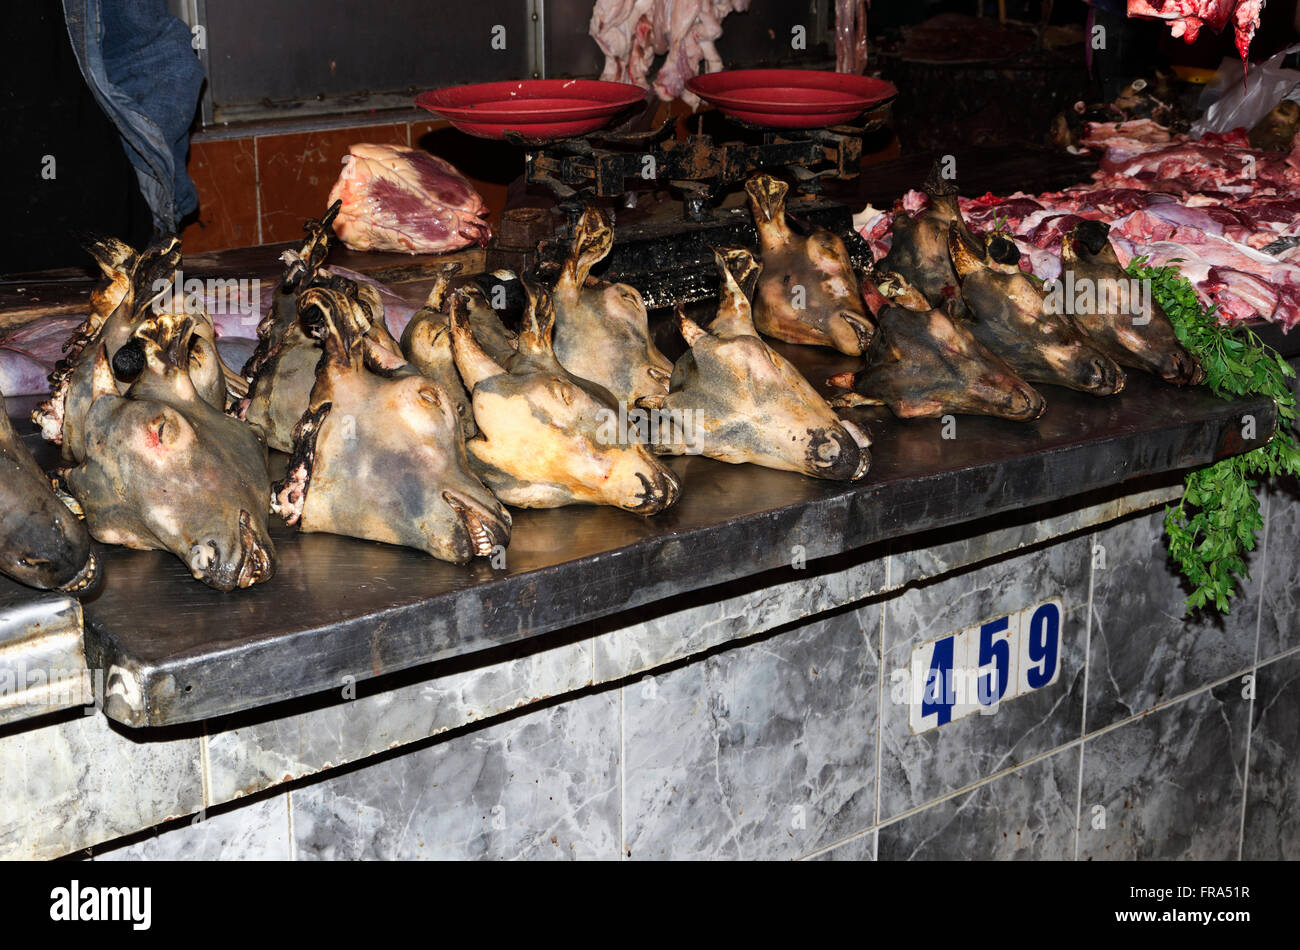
(429, 397)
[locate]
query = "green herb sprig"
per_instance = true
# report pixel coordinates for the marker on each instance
(1213, 527)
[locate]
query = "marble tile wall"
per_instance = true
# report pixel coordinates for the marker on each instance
(544, 785)
(1145, 650)
(758, 752)
(1154, 742)
(252, 831)
(1168, 785)
(919, 768)
(77, 779)
(1272, 825)
(1026, 814)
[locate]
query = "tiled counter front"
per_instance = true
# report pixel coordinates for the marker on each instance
(751, 722)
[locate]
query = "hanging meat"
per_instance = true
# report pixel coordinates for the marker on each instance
(1187, 17)
(747, 403)
(808, 291)
(378, 453)
(396, 198)
(631, 33)
(851, 35)
(602, 332)
(545, 440)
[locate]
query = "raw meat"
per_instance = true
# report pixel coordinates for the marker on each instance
(1188, 16)
(28, 354)
(1217, 203)
(404, 199)
(632, 32)
(851, 35)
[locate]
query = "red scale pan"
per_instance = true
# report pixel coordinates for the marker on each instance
(535, 108)
(791, 98)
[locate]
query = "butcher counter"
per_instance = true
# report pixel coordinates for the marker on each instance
(727, 679)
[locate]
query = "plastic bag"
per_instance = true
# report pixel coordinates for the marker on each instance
(1243, 104)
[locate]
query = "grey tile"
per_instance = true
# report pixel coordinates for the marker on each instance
(709, 618)
(969, 544)
(919, 768)
(255, 831)
(1279, 621)
(1167, 785)
(1145, 649)
(860, 848)
(79, 781)
(542, 784)
(1027, 814)
(764, 751)
(247, 758)
(1272, 828)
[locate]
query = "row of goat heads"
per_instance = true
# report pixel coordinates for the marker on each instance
(954, 324)
(419, 442)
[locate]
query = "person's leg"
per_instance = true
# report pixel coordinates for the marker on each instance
(64, 167)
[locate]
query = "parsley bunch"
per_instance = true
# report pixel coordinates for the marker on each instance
(1213, 527)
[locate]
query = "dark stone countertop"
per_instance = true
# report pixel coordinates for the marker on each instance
(177, 651)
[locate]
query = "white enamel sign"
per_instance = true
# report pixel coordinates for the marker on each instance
(980, 667)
